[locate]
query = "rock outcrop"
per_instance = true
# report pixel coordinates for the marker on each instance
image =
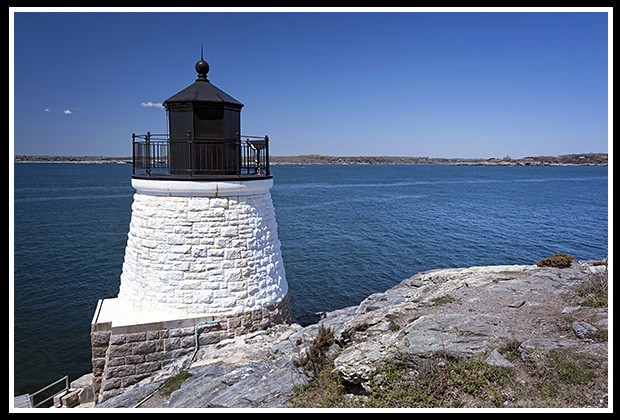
(461, 312)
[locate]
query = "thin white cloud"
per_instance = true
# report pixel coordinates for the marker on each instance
(67, 112)
(150, 104)
(47, 110)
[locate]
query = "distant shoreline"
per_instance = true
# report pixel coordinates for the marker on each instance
(583, 159)
(577, 159)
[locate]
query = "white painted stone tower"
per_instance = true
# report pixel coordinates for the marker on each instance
(202, 248)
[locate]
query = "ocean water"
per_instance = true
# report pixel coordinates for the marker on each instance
(346, 231)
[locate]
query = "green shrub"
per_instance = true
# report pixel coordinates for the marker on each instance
(174, 383)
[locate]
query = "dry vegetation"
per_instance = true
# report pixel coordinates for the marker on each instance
(558, 378)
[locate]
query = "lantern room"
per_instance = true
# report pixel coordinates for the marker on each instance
(203, 139)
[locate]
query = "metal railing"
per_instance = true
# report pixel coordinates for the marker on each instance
(47, 388)
(192, 157)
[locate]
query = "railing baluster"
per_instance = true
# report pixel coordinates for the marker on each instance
(267, 171)
(133, 153)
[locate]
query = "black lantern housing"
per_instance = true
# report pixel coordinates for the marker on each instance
(204, 140)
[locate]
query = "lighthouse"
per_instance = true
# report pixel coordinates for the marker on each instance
(202, 261)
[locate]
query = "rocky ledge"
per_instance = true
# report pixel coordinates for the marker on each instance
(459, 312)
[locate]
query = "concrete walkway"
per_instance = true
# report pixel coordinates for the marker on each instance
(22, 401)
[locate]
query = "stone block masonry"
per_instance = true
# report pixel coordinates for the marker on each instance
(123, 355)
(196, 252)
(203, 254)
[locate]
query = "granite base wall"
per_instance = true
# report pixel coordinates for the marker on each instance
(123, 356)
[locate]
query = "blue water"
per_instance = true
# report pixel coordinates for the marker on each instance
(346, 231)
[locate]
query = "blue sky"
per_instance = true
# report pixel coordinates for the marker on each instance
(438, 84)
